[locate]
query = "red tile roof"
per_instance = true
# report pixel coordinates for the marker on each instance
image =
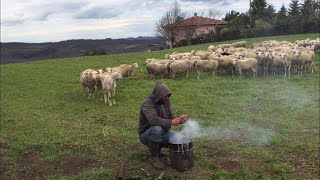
(193, 21)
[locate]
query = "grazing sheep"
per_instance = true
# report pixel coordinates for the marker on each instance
(277, 60)
(239, 44)
(206, 66)
(161, 61)
(177, 56)
(89, 79)
(211, 48)
(226, 63)
(129, 69)
(247, 64)
(203, 54)
(180, 66)
(223, 46)
(300, 42)
(118, 69)
(108, 82)
(307, 57)
(264, 59)
(157, 69)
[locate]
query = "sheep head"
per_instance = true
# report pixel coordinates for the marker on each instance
(116, 76)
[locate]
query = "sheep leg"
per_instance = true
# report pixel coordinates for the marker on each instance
(112, 95)
(105, 96)
(312, 66)
(90, 93)
(198, 78)
(109, 97)
(289, 71)
(285, 71)
(240, 73)
(254, 72)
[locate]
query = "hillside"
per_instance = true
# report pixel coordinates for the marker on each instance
(21, 52)
(251, 128)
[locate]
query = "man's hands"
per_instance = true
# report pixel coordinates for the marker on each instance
(179, 120)
(184, 118)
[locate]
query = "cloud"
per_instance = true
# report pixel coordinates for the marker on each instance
(98, 13)
(39, 20)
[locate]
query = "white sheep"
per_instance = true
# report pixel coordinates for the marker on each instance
(157, 69)
(206, 66)
(203, 54)
(129, 69)
(89, 79)
(247, 64)
(211, 48)
(239, 44)
(226, 63)
(278, 60)
(108, 82)
(180, 66)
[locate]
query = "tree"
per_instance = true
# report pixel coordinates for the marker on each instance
(231, 15)
(294, 17)
(310, 20)
(261, 10)
(281, 22)
(213, 13)
(167, 27)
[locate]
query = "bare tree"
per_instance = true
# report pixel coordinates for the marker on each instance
(214, 13)
(168, 26)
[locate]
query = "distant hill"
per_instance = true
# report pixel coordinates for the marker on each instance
(21, 52)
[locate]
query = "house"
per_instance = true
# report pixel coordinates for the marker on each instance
(197, 25)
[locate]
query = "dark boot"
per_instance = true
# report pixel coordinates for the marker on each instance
(154, 149)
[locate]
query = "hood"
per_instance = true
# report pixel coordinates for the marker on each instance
(159, 91)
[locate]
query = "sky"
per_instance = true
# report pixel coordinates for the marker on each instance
(35, 21)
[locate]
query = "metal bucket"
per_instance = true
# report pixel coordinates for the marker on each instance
(181, 156)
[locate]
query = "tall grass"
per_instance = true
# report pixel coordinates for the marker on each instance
(261, 128)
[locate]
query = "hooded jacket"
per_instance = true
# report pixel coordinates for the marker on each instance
(154, 112)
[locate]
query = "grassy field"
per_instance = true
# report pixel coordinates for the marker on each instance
(263, 128)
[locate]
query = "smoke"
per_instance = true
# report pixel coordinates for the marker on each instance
(242, 132)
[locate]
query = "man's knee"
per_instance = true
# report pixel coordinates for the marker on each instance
(156, 133)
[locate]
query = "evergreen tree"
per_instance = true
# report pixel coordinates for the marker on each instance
(260, 9)
(281, 22)
(310, 20)
(294, 9)
(294, 17)
(231, 15)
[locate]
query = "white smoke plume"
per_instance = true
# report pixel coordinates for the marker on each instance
(243, 132)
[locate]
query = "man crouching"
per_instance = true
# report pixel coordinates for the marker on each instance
(156, 118)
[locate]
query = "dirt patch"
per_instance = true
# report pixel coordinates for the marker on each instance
(31, 166)
(70, 164)
(229, 165)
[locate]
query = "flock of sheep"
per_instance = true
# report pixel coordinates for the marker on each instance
(269, 55)
(105, 80)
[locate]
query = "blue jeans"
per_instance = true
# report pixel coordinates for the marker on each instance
(157, 134)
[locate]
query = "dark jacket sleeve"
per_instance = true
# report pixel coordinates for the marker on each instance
(153, 119)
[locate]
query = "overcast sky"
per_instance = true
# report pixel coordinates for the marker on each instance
(58, 20)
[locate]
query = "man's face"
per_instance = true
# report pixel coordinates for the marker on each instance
(164, 99)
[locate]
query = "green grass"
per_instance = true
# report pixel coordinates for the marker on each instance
(263, 128)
